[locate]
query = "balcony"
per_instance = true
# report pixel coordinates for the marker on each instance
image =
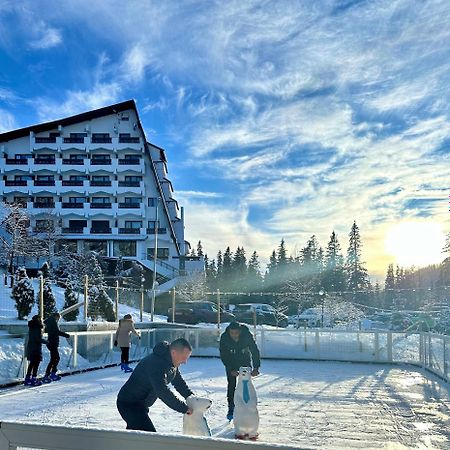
(43, 205)
(130, 205)
(102, 230)
(129, 183)
(15, 182)
(160, 230)
(100, 183)
(72, 182)
(17, 161)
(101, 162)
(72, 205)
(44, 182)
(43, 229)
(45, 140)
(129, 140)
(101, 205)
(72, 162)
(44, 161)
(72, 230)
(73, 140)
(129, 230)
(129, 161)
(101, 140)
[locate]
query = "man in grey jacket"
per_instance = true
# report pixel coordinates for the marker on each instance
(150, 380)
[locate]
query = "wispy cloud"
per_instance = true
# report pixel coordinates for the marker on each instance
(7, 121)
(48, 37)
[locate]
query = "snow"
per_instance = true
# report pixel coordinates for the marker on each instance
(326, 405)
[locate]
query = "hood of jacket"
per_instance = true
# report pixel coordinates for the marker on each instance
(34, 324)
(162, 349)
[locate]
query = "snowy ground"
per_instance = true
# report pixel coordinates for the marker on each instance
(326, 405)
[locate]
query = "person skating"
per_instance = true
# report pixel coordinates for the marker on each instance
(34, 351)
(123, 340)
(149, 381)
(237, 349)
(53, 334)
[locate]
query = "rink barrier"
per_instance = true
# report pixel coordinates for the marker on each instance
(95, 349)
(19, 435)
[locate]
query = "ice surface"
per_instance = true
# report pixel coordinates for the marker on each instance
(326, 405)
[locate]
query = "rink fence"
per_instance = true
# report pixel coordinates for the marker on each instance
(95, 349)
(19, 435)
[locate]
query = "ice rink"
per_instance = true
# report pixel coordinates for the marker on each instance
(326, 405)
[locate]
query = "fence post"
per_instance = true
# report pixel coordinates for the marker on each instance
(86, 283)
(389, 346)
(41, 297)
(218, 312)
(141, 309)
(263, 342)
(421, 349)
(444, 355)
(377, 346)
(317, 343)
(117, 300)
(173, 304)
(75, 350)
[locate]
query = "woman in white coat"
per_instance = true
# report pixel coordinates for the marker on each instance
(123, 340)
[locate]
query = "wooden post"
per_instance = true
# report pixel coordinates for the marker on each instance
(218, 312)
(173, 304)
(41, 298)
(141, 312)
(117, 300)
(86, 283)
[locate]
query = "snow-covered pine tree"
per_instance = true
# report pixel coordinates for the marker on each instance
(70, 299)
(23, 294)
(49, 300)
(105, 305)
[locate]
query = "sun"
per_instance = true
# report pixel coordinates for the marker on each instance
(415, 243)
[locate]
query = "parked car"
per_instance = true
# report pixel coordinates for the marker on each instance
(312, 317)
(265, 314)
(198, 311)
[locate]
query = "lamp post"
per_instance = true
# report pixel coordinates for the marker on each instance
(155, 257)
(322, 297)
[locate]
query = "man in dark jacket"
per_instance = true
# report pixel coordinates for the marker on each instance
(53, 332)
(237, 349)
(149, 381)
(34, 350)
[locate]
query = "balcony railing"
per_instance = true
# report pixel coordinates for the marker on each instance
(72, 230)
(73, 162)
(129, 183)
(72, 205)
(130, 205)
(101, 205)
(102, 230)
(129, 230)
(160, 231)
(72, 182)
(15, 182)
(45, 140)
(129, 161)
(129, 140)
(44, 160)
(103, 140)
(19, 161)
(44, 182)
(43, 229)
(100, 183)
(74, 140)
(101, 162)
(43, 205)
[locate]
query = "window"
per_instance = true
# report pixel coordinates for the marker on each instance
(163, 253)
(133, 200)
(23, 177)
(99, 157)
(100, 200)
(44, 225)
(44, 200)
(100, 178)
(133, 178)
(135, 224)
(95, 246)
(77, 224)
(152, 201)
(78, 177)
(132, 157)
(77, 199)
(124, 248)
(45, 178)
(77, 157)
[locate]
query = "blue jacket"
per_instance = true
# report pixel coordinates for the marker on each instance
(150, 380)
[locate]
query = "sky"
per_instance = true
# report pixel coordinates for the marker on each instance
(280, 119)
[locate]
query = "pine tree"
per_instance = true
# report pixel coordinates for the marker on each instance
(199, 249)
(282, 255)
(49, 300)
(70, 299)
(239, 269)
(23, 294)
(254, 279)
(389, 286)
(105, 306)
(271, 275)
(45, 271)
(227, 270)
(357, 277)
(334, 275)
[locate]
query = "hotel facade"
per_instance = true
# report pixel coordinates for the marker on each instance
(103, 186)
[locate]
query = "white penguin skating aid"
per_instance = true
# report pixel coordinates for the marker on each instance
(195, 424)
(246, 416)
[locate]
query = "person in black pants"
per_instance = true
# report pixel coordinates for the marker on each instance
(237, 349)
(149, 381)
(53, 331)
(34, 351)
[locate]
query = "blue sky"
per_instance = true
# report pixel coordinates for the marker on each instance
(280, 119)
